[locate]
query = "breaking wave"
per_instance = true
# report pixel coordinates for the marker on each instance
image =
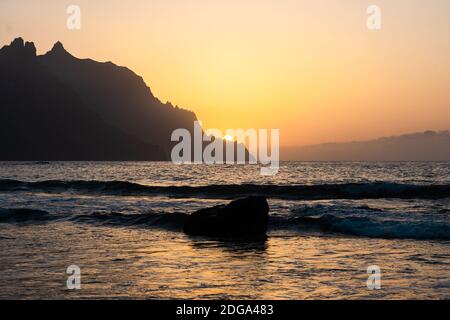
(358, 226)
(375, 228)
(20, 215)
(171, 221)
(372, 190)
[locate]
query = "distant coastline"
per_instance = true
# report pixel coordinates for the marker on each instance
(421, 146)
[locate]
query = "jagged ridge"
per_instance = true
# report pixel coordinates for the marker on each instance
(58, 107)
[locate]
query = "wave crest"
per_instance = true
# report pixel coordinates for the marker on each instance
(371, 190)
(376, 228)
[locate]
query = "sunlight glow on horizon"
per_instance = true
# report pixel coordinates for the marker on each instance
(228, 138)
(310, 68)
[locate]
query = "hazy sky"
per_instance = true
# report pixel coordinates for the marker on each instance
(308, 67)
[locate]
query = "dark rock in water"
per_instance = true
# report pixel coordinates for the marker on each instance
(245, 219)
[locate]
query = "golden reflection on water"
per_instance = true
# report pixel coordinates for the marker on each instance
(156, 264)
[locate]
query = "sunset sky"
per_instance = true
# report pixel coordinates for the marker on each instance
(308, 67)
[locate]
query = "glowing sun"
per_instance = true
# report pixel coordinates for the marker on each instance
(228, 138)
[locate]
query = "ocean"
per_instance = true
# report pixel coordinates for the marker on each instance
(121, 223)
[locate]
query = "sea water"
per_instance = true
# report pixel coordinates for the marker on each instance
(121, 224)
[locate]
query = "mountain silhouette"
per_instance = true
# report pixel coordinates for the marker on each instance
(119, 97)
(420, 146)
(58, 107)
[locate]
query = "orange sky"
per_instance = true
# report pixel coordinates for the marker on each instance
(310, 68)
